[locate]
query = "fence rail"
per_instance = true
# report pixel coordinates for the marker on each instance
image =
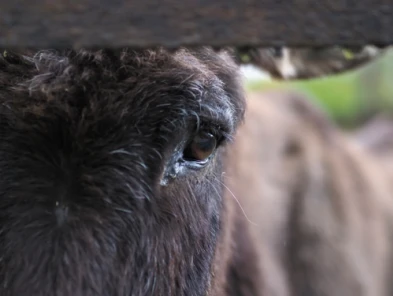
(172, 23)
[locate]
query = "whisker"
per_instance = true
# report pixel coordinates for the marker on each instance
(122, 210)
(238, 202)
(235, 198)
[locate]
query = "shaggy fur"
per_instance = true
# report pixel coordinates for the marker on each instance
(319, 205)
(94, 197)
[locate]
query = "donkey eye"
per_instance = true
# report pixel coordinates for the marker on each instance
(201, 147)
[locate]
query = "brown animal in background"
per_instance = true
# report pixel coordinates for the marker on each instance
(114, 180)
(319, 206)
(376, 135)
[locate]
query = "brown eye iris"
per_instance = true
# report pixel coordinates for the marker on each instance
(201, 147)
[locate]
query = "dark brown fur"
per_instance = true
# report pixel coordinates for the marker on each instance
(94, 200)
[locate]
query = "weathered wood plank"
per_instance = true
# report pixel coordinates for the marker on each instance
(114, 23)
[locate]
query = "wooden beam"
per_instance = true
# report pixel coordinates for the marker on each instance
(172, 23)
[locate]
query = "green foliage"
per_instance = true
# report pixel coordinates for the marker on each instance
(349, 96)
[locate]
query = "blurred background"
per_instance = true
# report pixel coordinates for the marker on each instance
(350, 98)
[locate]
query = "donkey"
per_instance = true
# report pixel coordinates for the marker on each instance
(110, 165)
(122, 174)
(317, 210)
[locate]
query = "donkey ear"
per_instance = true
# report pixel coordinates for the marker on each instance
(290, 63)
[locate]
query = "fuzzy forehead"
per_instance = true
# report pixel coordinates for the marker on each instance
(143, 83)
